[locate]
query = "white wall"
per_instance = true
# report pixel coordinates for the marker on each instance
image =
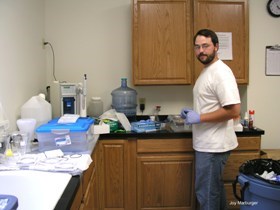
(94, 37)
(263, 91)
(22, 61)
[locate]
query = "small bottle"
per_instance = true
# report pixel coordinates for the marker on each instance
(251, 118)
(95, 108)
(8, 149)
(157, 110)
(246, 120)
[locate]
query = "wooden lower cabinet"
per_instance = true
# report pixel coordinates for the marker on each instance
(78, 199)
(87, 195)
(158, 174)
(117, 174)
(165, 181)
(133, 175)
(90, 200)
(165, 174)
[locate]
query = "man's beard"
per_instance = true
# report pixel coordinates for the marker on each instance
(208, 60)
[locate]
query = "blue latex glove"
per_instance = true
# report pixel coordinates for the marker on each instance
(184, 112)
(190, 116)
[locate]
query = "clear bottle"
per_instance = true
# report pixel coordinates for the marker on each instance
(124, 99)
(246, 120)
(157, 110)
(95, 108)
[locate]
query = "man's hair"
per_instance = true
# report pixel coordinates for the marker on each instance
(207, 33)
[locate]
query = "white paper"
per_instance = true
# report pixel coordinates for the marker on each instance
(225, 45)
(273, 60)
(54, 153)
(68, 118)
(124, 121)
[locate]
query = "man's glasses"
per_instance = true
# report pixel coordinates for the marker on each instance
(204, 46)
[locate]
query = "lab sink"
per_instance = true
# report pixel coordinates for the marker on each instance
(34, 189)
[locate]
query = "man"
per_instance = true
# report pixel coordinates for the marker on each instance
(216, 102)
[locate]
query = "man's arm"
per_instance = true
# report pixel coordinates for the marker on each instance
(223, 114)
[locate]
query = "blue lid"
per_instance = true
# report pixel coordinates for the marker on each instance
(12, 203)
(82, 124)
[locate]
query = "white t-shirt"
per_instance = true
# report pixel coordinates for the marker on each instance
(216, 87)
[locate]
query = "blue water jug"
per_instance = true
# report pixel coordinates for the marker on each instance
(124, 99)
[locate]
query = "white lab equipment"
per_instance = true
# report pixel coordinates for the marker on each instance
(68, 98)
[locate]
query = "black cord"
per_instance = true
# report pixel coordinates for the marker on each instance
(45, 43)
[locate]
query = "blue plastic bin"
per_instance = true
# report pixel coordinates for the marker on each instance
(257, 194)
(143, 126)
(69, 137)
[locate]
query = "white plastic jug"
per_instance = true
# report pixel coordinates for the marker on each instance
(95, 107)
(37, 108)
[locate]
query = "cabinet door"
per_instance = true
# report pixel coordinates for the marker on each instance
(78, 199)
(90, 197)
(162, 34)
(165, 182)
(226, 16)
(90, 200)
(116, 171)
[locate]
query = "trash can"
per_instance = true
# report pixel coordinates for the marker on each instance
(258, 193)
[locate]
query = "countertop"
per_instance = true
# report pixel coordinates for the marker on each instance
(168, 133)
(69, 194)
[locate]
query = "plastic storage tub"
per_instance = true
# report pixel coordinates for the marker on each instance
(69, 137)
(257, 194)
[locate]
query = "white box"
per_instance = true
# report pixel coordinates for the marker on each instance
(100, 129)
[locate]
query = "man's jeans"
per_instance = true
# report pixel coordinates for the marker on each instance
(209, 186)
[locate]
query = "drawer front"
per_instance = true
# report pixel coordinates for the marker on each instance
(249, 143)
(164, 145)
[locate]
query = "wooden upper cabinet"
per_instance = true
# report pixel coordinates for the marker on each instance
(162, 46)
(226, 16)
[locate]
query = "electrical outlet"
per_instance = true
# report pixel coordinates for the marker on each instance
(142, 102)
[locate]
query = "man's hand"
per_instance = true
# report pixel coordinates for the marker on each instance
(190, 116)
